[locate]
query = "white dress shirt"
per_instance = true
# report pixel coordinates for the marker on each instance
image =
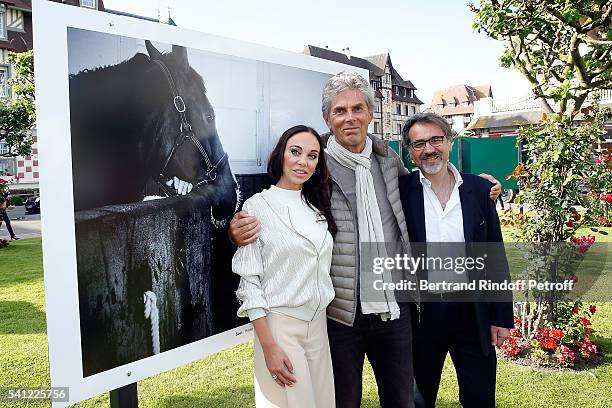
(443, 225)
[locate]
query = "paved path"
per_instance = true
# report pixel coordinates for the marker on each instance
(28, 228)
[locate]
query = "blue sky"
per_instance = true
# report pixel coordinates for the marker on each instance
(431, 43)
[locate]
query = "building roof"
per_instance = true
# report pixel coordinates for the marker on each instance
(507, 120)
(458, 95)
(20, 4)
(375, 65)
(342, 58)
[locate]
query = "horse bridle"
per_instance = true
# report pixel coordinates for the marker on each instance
(186, 133)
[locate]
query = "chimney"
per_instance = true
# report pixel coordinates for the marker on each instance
(347, 52)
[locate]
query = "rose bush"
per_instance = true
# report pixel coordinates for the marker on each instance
(565, 342)
(598, 201)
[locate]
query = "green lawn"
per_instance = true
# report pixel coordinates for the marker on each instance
(225, 379)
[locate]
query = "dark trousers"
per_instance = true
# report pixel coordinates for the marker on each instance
(451, 327)
(388, 346)
(4, 216)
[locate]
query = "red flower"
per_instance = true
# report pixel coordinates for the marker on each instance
(588, 331)
(574, 279)
(577, 217)
(548, 343)
(575, 308)
(570, 224)
(556, 334)
(597, 160)
(592, 309)
(585, 321)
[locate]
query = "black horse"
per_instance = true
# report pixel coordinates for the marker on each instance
(146, 119)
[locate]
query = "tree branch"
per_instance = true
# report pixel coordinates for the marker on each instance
(535, 85)
(592, 40)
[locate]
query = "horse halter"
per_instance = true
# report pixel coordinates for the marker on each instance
(185, 133)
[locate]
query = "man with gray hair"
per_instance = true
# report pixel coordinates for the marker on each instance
(366, 206)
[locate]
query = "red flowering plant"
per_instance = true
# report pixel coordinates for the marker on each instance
(599, 200)
(566, 342)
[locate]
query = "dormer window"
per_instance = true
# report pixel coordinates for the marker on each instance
(2, 22)
(92, 4)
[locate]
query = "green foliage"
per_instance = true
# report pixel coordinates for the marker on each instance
(598, 200)
(559, 154)
(16, 200)
(562, 47)
(15, 123)
(18, 115)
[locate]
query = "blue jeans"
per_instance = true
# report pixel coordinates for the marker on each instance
(388, 346)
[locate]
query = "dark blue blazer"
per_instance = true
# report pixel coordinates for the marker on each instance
(480, 224)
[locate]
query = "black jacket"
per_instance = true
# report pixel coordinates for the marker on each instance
(480, 224)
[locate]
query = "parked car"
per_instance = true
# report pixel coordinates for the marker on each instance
(32, 205)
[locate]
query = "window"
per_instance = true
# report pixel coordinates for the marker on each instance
(4, 88)
(398, 108)
(14, 20)
(7, 164)
(2, 22)
(397, 90)
(406, 110)
(4, 148)
(89, 4)
(413, 110)
(399, 128)
(377, 108)
(376, 127)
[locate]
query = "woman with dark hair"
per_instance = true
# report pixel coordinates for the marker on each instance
(285, 285)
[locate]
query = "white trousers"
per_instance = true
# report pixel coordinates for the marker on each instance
(307, 347)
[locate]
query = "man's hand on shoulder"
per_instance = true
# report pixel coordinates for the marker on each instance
(496, 189)
(243, 229)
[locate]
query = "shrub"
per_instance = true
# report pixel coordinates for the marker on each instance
(16, 200)
(564, 342)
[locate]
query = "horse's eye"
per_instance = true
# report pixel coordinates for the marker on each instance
(210, 117)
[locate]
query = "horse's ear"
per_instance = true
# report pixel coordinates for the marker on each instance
(154, 54)
(180, 54)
